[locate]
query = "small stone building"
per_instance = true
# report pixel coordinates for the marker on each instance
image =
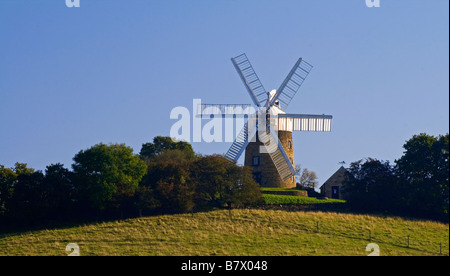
(333, 187)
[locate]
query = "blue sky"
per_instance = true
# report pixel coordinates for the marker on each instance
(111, 72)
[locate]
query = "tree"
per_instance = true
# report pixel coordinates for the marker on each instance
(22, 168)
(220, 182)
(246, 190)
(59, 189)
(170, 180)
(308, 179)
(145, 199)
(30, 200)
(371, 185)
(161, 144)
(7, 179)
(424, 174)
(21, 191)
(107, 175)
(209, 172)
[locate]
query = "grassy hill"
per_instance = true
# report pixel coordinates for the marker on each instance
(245, 232)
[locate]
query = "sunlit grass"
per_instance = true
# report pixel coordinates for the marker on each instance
(241, 232)
(289, 199)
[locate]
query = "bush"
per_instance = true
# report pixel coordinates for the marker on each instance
(371, 185)
(220, 183)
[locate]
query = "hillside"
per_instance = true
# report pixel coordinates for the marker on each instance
(245, 232)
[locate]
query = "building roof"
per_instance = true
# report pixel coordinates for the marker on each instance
(341, 171)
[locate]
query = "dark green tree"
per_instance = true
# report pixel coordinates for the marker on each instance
(145, 199)
(424, 174)
(169, 181)
(161, 144)
(209, 173)
(371, 186)
(30, 201)
(107, 175)
(7, 179)
(15, 189)
(245, 191)
(60, 190)
(220, 182)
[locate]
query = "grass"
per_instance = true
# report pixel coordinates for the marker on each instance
(245, 232)
(279, 189)
(287, 199)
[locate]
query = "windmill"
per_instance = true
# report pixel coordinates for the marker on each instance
(266, 135)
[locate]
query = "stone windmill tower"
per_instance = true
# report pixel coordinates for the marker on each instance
(264, 170)
(267, 133)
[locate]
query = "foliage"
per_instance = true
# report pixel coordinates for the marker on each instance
(107, 174)
(371, 185)
(7, 179)
(106, 179)
(181, 183)
(29, 195)
(169, 180)
(417, 184)
(221, 182)
(424, 173)
(30, 198)
(14, 188)
(161, 144)
(60, 190)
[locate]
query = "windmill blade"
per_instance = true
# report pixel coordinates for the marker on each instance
(304, 122)
(250, 79)
(278, 155)
(291, 84)
(242, 140)
(225, 110)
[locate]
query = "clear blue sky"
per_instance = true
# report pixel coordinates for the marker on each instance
(111, 72)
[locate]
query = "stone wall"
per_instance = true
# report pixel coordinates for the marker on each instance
(266, 169)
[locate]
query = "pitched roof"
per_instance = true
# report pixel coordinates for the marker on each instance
(340, 171)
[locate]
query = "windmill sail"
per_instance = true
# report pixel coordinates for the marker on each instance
(278, 155)
(250, 79)
(242, 140)
(304, 122)
(291, 84)
(224, 110)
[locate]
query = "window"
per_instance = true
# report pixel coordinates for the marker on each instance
(335, 192)
(255, 161)
(289, 144)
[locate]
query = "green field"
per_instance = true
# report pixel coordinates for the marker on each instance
(287, 199)
(245, 232)
(278, 189)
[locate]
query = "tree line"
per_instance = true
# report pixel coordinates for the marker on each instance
(111, 181)
(417, 184)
